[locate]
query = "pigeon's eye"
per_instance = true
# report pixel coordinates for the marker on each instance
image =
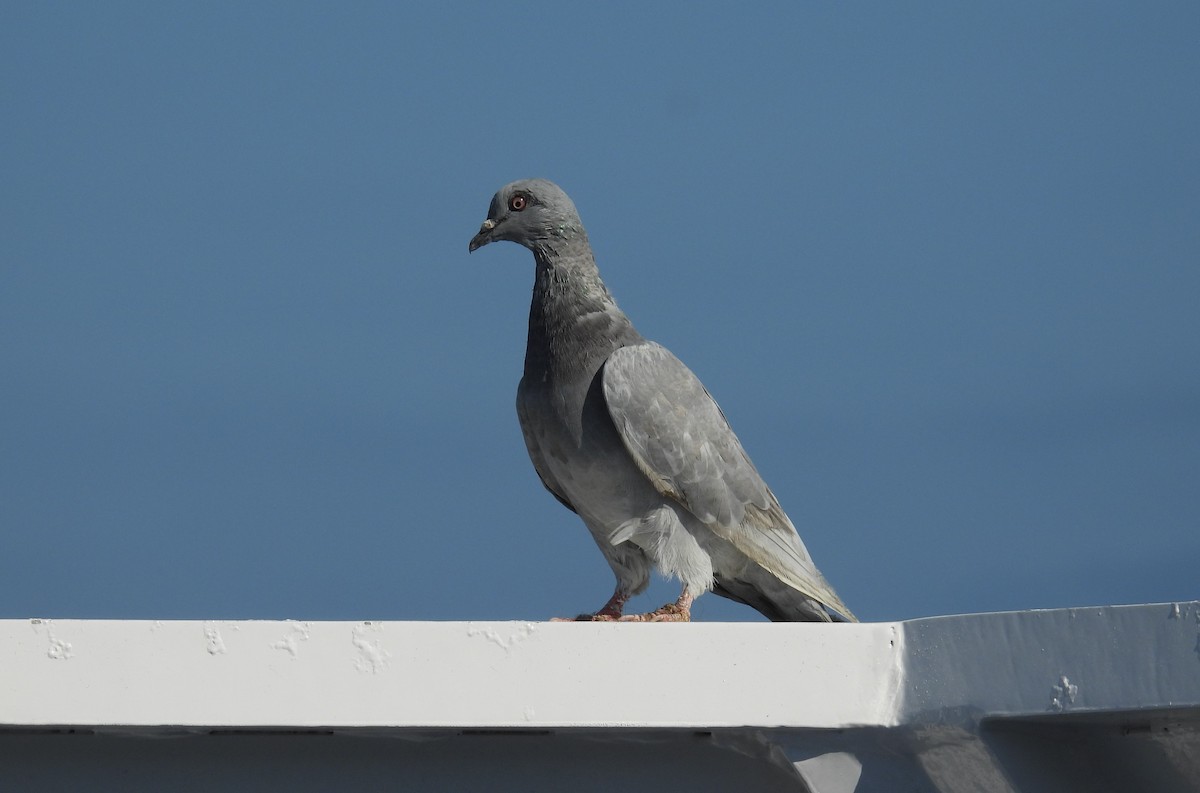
(516, 203)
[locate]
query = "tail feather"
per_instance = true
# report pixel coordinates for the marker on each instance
(775, 600)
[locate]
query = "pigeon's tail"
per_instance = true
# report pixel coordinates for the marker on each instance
(837, 616)
(775, 600)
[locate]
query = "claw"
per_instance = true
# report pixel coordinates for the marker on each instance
(679, 611)
(609, 612)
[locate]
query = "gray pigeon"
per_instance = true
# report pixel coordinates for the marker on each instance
(624, 435)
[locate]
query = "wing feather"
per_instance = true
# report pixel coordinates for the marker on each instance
(681, 441)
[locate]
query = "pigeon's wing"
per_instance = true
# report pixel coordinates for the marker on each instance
(682, 443)
(534, 446)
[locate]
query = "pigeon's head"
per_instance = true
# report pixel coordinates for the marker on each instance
(532, 212)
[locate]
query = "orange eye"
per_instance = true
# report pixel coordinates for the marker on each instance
(516, 203)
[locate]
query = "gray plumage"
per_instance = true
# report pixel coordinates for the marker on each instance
(622, 433)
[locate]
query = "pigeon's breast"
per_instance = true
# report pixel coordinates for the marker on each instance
(582, 455)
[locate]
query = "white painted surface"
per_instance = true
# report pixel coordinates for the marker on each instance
(1059, 700)
(437, 674)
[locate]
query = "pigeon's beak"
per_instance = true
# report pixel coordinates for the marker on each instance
(483, 237)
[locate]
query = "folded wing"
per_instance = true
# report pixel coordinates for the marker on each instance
(682, 443)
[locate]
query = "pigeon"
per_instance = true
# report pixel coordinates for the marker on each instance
(624, 435)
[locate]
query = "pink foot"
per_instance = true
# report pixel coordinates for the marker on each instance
(679, 611)
(610, 612)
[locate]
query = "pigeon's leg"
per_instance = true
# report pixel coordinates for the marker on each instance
(609, 612)
(679, 611)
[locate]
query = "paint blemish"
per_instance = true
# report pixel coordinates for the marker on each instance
(212, 639)
(1063, 696)
(370, 656)
(505, 643)
(57, 649)
(290, 643)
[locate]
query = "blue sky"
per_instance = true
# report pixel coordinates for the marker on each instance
(939, 263)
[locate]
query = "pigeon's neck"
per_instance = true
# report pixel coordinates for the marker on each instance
(569, 284)
(574, 322)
